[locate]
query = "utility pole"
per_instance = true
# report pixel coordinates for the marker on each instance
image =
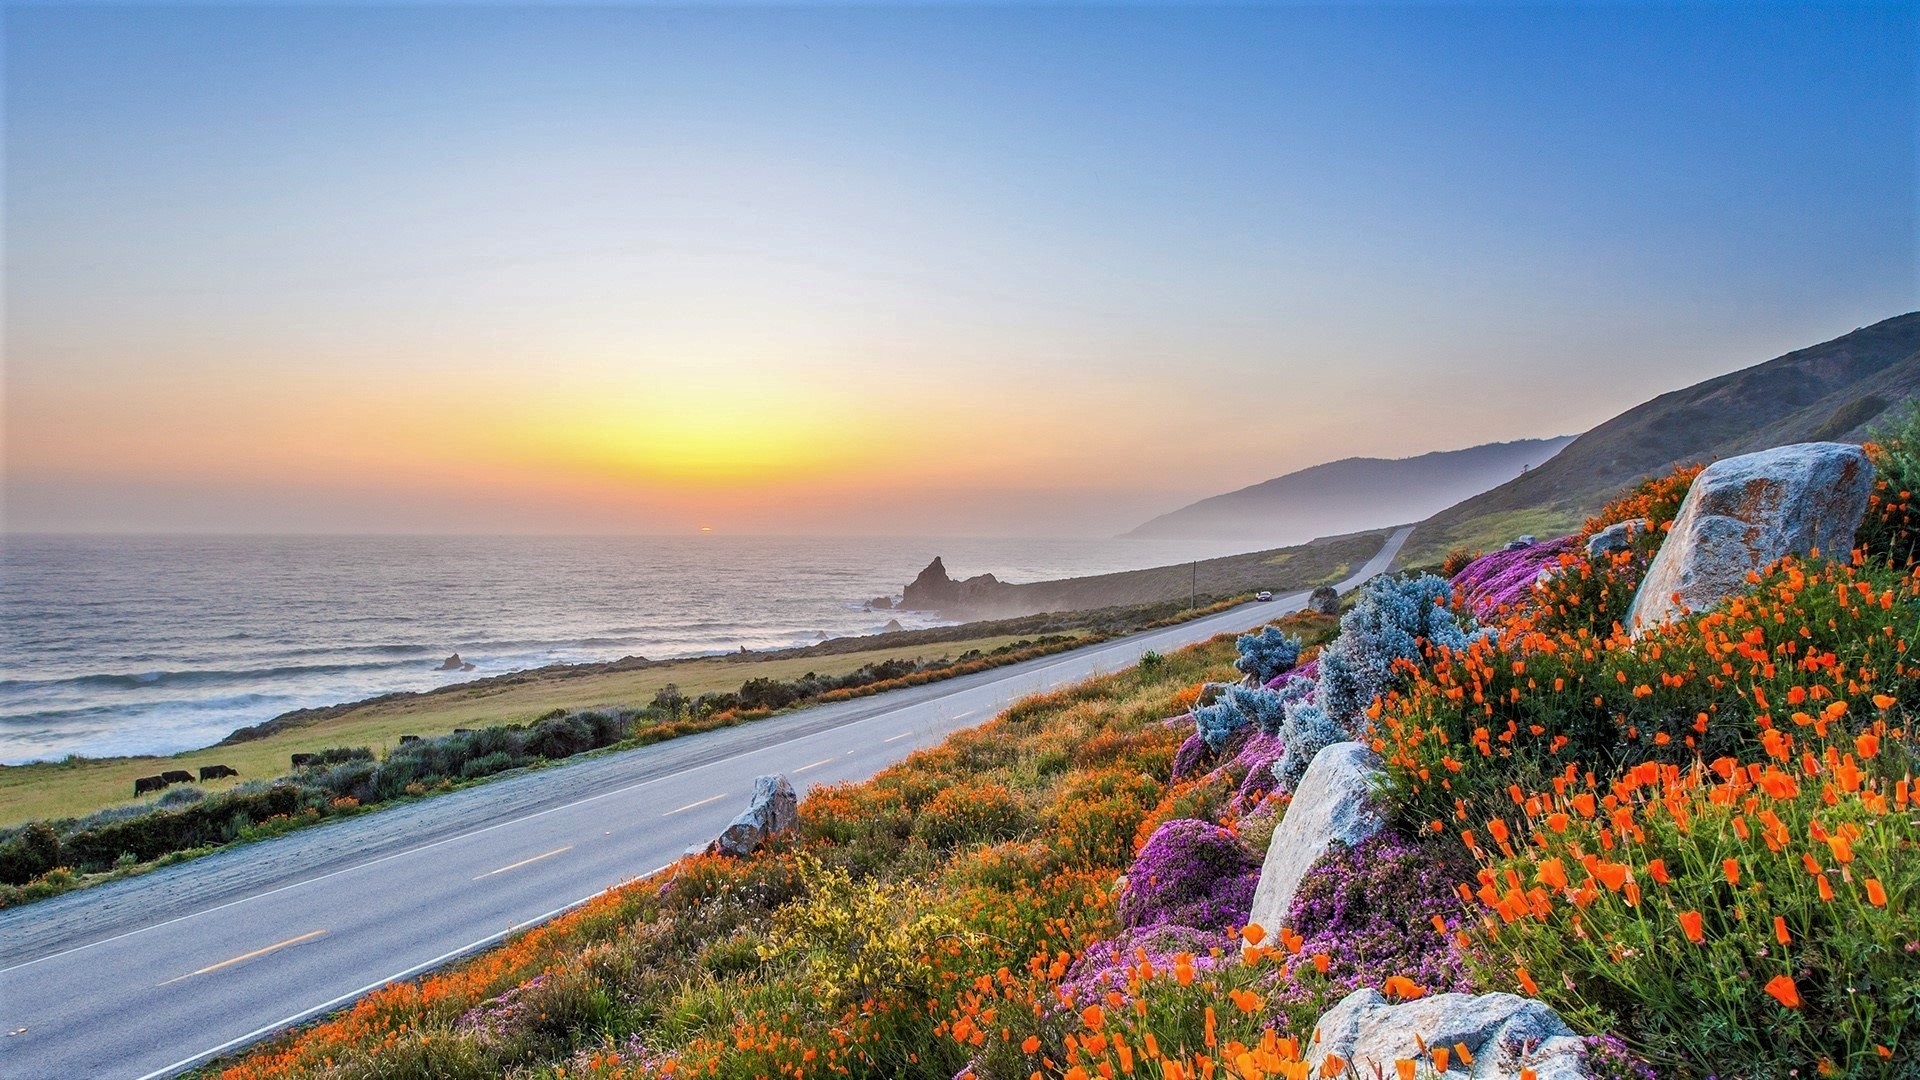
(1193, 587)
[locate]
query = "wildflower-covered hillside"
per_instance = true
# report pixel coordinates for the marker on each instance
(1698, 846)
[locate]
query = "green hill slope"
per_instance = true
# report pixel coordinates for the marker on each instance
(1834, 390)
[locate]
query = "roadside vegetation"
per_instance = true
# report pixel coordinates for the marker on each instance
(1700, 846)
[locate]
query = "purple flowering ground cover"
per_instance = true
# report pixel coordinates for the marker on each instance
(1190, 873)
(1504, 578)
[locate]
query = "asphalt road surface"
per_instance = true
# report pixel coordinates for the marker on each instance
(156, 974)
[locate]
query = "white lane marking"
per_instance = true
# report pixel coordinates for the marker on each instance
(525, 862)
(244, 957)
(691, 805)
(815, 765)
(353, 995)
(1153, 638)
(897, 738)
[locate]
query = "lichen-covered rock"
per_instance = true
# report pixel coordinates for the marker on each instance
(1745, 512)
(772, 811)
(1504, 1034)
(1615, 537)
(1334, 801)
(1324, 600)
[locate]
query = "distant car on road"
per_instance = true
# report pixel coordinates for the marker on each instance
(1263, 595)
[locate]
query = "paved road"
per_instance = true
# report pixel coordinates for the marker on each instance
(152, 975)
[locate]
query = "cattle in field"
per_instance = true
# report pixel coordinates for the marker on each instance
(303, 760)
(463, 731)
(145, 784)
(177, 776)
(404, 739)
(216, 772)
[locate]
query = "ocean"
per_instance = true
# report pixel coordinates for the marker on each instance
(155, 644)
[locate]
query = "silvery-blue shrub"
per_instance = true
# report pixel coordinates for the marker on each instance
(1388, 623)
(1306, 731)
(1267, 652)
(1216, 722)
(1265, 709)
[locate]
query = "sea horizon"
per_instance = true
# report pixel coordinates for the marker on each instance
(102, 663)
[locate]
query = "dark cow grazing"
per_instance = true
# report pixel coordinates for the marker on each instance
(215, 772)
(404, 739)
(177, 776)
(463, 731)
(303, 760)
(149, 783)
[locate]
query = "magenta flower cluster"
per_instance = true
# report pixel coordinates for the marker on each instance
(1505, 578)
(1190, 873)
(1371, 908)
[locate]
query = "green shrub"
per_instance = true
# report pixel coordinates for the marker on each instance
(213, 820)
(29, 854)
(488, 764)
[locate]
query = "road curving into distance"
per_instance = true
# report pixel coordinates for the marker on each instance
(152, 975)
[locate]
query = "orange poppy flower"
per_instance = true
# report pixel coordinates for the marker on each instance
(1552, 874)
(1399, 986)
(1690, 924)
(1783, 991)
(1876, 892)
(1731, 868)
(1526, 982)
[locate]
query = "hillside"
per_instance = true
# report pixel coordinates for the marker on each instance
(1303, 566)
(1350, 494)
(1834, 390)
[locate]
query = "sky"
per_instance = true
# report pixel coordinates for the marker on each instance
(918, 270)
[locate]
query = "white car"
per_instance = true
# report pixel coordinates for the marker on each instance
(1263, 595)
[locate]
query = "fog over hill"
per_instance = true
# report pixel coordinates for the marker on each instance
(1351, 494)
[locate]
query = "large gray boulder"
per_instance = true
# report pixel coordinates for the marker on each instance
(1745, 512)
(1334, 801)
(1503, 1032)
(773, 810)
(1325, 600)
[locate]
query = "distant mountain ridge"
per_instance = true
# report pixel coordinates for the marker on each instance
(1835, 390)
(1351, 494)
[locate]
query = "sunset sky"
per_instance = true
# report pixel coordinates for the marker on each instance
(922, 270)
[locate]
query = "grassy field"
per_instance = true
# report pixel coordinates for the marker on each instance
(51, 790)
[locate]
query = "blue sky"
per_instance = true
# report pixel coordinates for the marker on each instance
(995, 268)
